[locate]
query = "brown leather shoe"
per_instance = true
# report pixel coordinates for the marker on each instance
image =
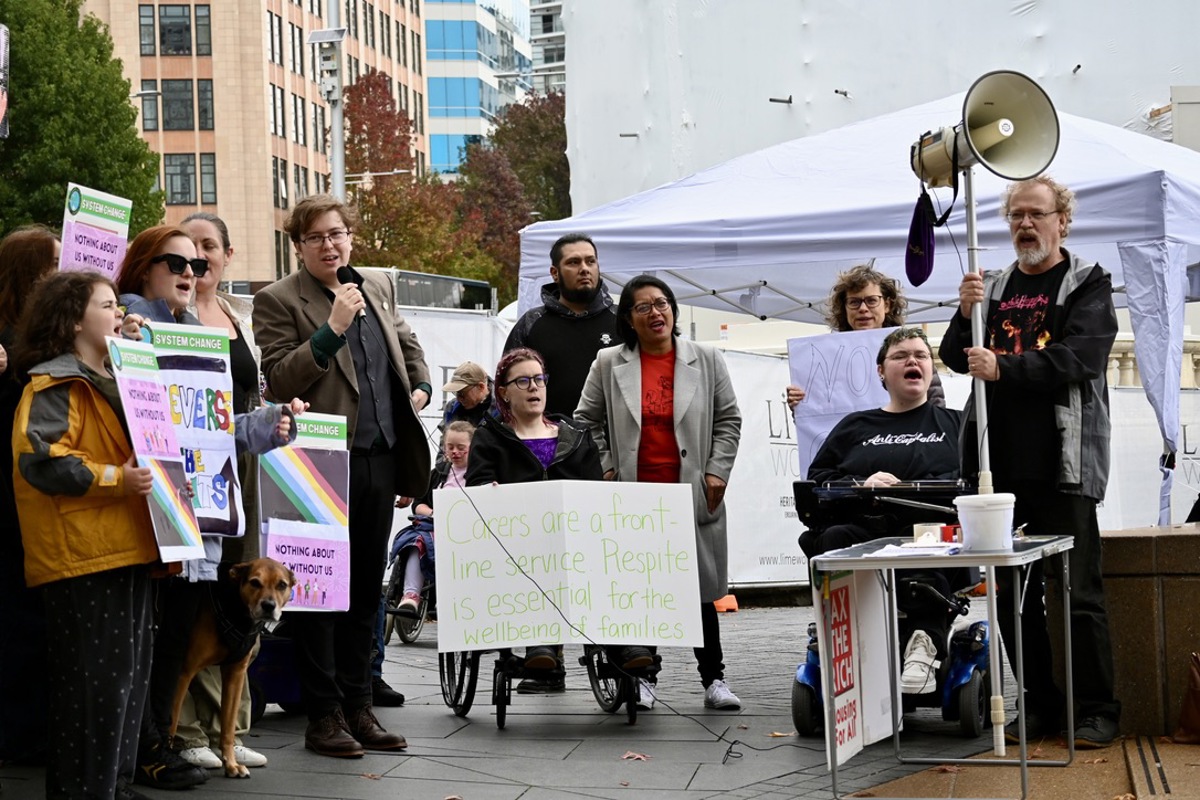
(366, 729)
(330, 736)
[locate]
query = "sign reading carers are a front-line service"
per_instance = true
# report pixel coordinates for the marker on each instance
(618, 560)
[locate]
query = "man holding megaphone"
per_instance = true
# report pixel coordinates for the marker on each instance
(1049, 325)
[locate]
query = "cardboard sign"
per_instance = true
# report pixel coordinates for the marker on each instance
(566, 561)
(95, 230)
(303, 499)
(148, 416)
(838, 374)
(857, 665)
(193, 363)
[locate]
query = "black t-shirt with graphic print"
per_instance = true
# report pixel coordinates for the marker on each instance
(920, 444)
(1025, 442)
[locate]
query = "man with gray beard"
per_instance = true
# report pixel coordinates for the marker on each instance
(1049, 325)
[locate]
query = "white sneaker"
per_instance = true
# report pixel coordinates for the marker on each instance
(202, 757)
(920, 665)
(647, 697)
(718, 695)
(247, 757)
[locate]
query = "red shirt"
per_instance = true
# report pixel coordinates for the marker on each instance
(658, 452)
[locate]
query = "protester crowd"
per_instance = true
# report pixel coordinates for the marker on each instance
(586, 390)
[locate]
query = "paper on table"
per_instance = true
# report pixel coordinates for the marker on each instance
(911, 549)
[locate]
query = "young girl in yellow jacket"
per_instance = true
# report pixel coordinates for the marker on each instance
(87, 534)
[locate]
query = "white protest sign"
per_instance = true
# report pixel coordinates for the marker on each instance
(566, 561)
(838, 374)
(94, 231)
(857, 669)
(193, 362)
(148, 417)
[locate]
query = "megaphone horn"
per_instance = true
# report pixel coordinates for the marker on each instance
(1008, 125)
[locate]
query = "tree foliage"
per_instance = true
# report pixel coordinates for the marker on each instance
(492, 192)
(532, 136)
(70, 118)
(407, 221)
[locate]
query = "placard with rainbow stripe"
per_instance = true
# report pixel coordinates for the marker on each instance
(303, 500)
(148, 415)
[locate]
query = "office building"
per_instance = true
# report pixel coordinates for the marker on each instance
(549, 42)
(478, 63)
(229, 95)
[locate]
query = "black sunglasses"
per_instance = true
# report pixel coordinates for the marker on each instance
(178, 264)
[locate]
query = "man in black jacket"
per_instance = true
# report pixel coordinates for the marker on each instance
(575, 321)
(1049, 326)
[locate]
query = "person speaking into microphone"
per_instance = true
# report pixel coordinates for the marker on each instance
(372, 370)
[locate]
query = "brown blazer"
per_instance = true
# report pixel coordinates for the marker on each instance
(286, 315)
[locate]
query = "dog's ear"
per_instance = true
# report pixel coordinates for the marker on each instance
(240, 572)
(291, 576)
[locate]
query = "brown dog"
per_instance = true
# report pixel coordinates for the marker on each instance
(226, 633)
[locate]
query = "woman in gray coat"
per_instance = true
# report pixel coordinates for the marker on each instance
(662, 410)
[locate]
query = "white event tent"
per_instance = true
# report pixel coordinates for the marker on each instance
(766, 233)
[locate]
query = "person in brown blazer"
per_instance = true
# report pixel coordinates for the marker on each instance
(331, 336)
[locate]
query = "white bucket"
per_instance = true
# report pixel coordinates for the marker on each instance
(986, 520)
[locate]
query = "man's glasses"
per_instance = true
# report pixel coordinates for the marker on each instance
(660, 305)
(870, 301)
(318, 239)
(178, 264)
(527, 381)
(1017, 217)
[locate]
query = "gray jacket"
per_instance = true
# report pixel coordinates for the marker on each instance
(708, 428)
(1074, 366)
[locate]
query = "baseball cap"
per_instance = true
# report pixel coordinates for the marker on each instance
(467, 374)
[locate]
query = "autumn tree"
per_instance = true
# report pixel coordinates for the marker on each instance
(70, 118)
(532, 136)
(492, 192)
(378, 140)
(407, 221)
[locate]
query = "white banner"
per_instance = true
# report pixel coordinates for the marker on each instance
(566, 561)
(762, 522)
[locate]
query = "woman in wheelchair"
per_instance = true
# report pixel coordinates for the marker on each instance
(413, 549)
(528, 445)
(909, 439)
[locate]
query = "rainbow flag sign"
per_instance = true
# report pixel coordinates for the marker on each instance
(303, 500)
(148, 415)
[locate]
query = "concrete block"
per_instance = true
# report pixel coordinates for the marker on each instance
(1134, 618)
(1181, 637)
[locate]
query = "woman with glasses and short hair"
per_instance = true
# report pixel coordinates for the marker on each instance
(663, 410)
(865, 299)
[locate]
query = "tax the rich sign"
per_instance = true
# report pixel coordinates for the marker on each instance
(566, 561)
(856, 662)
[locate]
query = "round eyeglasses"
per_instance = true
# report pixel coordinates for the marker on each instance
(526, 382)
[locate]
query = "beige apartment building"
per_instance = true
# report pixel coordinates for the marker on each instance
(229, 96)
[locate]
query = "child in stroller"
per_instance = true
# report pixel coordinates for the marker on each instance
(413, 549)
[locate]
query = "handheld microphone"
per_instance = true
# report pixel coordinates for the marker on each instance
(344, 275)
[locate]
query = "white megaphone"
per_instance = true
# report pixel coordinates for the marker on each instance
(1008, 125)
